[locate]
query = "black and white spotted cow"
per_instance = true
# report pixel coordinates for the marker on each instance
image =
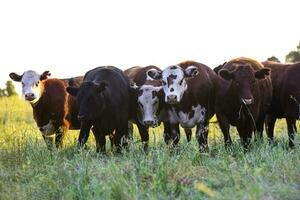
(189, 91)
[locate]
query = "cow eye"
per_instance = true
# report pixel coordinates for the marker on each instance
(164, 82)
(23, 84)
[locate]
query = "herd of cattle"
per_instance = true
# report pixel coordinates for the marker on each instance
(241, 92)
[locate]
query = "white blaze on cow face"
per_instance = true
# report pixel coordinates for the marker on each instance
(148, 102)
(31, 86)
(174, 84)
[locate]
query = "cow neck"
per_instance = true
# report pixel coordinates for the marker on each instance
(186, 102)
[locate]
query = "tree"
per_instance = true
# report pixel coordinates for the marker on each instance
(2, 92)
(10, 89)
(293, 56)
(274, 59)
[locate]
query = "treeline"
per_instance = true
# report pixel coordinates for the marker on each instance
(291, 57)
(9, 90)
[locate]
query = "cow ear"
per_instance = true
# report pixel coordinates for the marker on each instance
(15, 77)
(191, 71)
(261, 74)
(154, 74)
(225, 74)
(72, 91)
(133, 85)
(103, 85)
(217, 69)
(45, 75)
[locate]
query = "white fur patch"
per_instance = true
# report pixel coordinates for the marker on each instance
(178, 87)
(48, 130)
(184, 119)
(150, 105)
(30, 85)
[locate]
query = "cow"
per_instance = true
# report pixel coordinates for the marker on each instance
(189, 92)
(147, 103)
(103, 106)
(243, 96)
(286, 97)
(54, 111)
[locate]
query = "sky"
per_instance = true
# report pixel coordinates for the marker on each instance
(70, 37)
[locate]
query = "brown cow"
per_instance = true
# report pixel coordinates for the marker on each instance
(189, 92)
(286, 97)
(53, 109)
(243, 96)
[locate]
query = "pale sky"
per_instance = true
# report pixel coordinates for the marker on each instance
(69, 37)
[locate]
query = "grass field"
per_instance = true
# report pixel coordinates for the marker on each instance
(29, 171)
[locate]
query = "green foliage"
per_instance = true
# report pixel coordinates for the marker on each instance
(29, 171)
(293, 56)
(274, 59)
(10, 89)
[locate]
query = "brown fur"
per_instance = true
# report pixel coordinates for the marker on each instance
(286, 86)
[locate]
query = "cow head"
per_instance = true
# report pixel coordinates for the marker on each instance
(90, 96)
(148, 103)
(31, 84)
(244, 79)
(173, 79)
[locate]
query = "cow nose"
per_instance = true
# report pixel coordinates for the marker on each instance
(248, 101)
(41, 129)
(149, 122)
(172, 98)
(29, 96)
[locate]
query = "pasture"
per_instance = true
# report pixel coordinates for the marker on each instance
(28, 170)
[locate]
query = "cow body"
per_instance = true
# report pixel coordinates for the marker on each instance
(54, 111)
(189, 92)
(104, 105)
(243, 96)
(286, 97)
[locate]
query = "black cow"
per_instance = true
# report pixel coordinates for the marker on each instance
(104, 105)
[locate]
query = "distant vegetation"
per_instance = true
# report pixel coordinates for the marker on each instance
(9, 90)
(292, 57)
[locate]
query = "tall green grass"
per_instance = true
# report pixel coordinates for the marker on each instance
(29, 171)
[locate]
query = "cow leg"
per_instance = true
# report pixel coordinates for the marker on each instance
(172, 135)
(245, 132)
(291, 123)
(120, 136)
(84, 133)
(144, 133)
(225, 125)
(201, 135)
(100, 140)
(60, 136)
(188, 133)
(49, 142)
(260, 127)
(270, 123)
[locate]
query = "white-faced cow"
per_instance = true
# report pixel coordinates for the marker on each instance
(148, 107)
(53, 109)
(103, 105)
(286, 97)
(189, 91)
(243, 96)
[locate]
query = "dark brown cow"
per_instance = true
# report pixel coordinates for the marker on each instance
(54, 111)
(147, 102)
(243, 96)
(286, 97)
(189, 91)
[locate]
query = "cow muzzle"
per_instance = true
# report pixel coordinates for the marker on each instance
(172, 99)
(247, 101)
(30, 97)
